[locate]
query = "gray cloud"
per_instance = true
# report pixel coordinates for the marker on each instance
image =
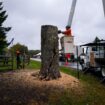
(27, 16)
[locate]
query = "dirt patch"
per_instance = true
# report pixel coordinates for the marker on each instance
(24, 88)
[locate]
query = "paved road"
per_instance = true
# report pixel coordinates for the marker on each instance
(70, 64)
(36, 59)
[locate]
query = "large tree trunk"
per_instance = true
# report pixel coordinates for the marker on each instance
(49, 53)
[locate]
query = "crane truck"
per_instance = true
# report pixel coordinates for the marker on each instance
(67, 42)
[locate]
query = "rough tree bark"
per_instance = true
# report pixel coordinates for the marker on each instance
(49, 53)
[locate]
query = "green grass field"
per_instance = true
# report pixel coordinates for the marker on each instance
(94, 91)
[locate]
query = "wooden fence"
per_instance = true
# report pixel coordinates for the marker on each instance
(6, 62)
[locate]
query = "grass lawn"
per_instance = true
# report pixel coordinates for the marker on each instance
(94, 91)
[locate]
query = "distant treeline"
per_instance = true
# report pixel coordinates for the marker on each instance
(22, 49)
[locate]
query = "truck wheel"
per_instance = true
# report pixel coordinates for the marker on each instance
(103, 72)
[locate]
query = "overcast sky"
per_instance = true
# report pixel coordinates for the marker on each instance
(27, 16)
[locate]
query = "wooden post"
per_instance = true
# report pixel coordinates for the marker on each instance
(77, 62)
(49, 53)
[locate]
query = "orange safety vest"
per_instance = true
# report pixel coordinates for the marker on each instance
(68, 32)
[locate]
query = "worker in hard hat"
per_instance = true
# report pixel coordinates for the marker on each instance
(18, 59)
(67, 32)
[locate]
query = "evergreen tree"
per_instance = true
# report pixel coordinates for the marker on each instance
(3, 30)
(96, 40)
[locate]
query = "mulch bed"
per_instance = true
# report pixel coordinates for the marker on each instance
(23, 88)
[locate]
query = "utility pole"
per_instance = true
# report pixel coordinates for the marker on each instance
(77, 63)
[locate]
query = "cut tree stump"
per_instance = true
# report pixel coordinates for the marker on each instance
(49, 53)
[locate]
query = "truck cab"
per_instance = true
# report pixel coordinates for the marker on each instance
(94, 57)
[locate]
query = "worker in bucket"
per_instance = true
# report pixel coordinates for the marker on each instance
(67, 32)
